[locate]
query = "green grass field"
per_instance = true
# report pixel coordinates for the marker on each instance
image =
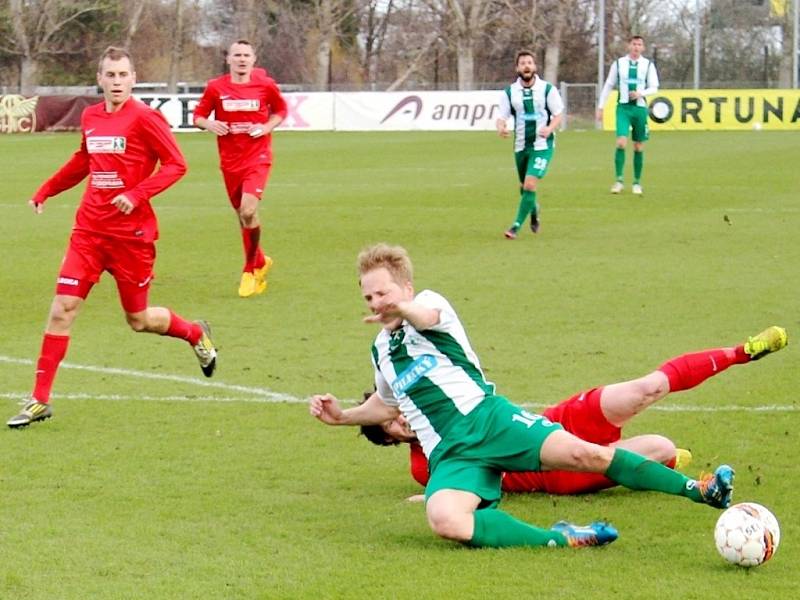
(148, 483)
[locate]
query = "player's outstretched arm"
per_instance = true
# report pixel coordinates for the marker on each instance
(326, 408)
(421, 317)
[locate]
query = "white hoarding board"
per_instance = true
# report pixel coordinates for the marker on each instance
(311, 111)
(410, 111)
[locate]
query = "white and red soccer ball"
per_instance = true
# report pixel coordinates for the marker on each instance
(747, 534)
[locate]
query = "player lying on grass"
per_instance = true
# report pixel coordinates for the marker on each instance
(426, 370)
(598, 416)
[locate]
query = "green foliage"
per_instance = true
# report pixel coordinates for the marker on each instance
(216, 494)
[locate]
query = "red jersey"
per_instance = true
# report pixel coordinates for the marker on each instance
(119, 152)
(241, 105)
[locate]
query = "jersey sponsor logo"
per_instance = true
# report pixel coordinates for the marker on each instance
(411, 375)
(106, 180)
(68, 281)
(240, 126)
(106, 144)
(241, 105)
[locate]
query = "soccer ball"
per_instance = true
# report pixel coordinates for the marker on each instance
(747, 534)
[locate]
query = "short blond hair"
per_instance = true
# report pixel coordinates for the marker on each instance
(394, 259)
(114, 53)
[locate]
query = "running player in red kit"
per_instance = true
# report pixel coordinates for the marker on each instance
(115, 228)
(247, 106)
(598, 415)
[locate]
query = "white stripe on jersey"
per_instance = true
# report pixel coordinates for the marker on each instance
(428, 361)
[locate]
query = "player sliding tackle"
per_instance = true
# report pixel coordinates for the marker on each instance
(599, 414)
(426, 369)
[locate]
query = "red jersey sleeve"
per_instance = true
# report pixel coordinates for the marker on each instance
(155, 131)
(207, 102)
(275, 100)
(69, 175)
(419, 464)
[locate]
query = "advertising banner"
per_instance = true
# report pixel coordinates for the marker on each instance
(416, 111)
(306, 112)
(19, 114)
(684, 110)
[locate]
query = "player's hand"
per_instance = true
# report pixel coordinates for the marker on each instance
(38, 207)
(123, 205)
(325, 407)
(545, 131)
(217, 127)
(634, 95)
(387, 312)
(258, 130)
(599, 114)
(503, 132)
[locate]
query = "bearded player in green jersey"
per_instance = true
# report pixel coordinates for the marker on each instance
(426, 369)
(635, 77)
(537, 110)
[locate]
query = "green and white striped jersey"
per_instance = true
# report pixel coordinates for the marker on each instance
(532, 109)
(433, 376)
(627, 75)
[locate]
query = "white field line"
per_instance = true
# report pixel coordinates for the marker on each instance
(262, 395)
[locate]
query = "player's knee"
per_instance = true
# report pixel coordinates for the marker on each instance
(64, 309)
(136, 321)
(622, 142)
(589, 457)
(638, 146)
(530, 185)
(449, 524)
(663, 449)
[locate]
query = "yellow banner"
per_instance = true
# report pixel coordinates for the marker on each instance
(677, 110)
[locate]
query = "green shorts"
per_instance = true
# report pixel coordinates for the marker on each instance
(498, 436)
(533, 162)
(631, 116)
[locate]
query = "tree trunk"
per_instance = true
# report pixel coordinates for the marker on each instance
(322, 79)
(177, 47)
(133, 22)
(28, 75)
(466, 63)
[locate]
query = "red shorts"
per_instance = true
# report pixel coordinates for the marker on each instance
(582, 416)
(129, 262)
(251, 180)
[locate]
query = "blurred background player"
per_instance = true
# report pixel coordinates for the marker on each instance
(598, 415)
(115, 227)
(537, 110)
(635, 78)
(247, 106)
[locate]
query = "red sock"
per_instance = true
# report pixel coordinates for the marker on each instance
(671, 462)
(250, 239)
(54, 348)
(181, 328)
(686, 371)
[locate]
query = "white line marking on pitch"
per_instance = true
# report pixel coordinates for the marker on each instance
(267, 396)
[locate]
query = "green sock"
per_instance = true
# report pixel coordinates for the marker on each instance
(638, 163)
(497, 529)
(636, 472)
(619, 162)
(527, 203)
